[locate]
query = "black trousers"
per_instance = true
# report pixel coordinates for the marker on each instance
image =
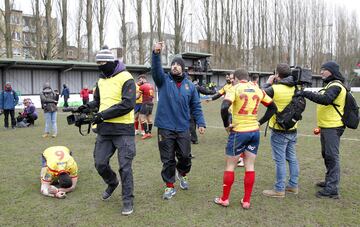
(193, 134)
(330, 141)
(105, 148)
(66, 102)
(12, 117)
(173, 145)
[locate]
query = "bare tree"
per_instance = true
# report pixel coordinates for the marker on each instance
(8, 41)
(158, 19)
(49, 29)
(79, 19)
(101, 8)
(89, 21)
(63, 11)
(123, 41)
(139, 27)
(178, 24)
(151, 20)
(38, 29)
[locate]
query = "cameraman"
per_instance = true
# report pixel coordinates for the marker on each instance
(282, 141)
(115, 97)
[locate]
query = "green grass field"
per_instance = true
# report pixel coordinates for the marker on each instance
(22, 204)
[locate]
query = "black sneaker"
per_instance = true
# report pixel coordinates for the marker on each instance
(108, 192)
(195, 142)
(127, 209)
(321, 184)
(326, 194)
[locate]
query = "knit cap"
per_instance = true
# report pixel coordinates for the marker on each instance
(104, 55)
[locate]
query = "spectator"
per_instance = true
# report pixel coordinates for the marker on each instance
(84, 94)
(58, 168)
(244, 135)
(66, 93)
(283, 142)
(115, 97)
(178, 100)
(29, 115)
(8, 101)
(49, 100)
(330, 124)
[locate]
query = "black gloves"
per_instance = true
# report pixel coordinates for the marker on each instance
(299, 93)
(83, 108)
(98, 118)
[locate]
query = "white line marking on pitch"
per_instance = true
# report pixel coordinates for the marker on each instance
(299, 134)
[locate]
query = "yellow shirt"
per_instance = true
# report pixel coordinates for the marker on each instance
(245, 98)
(58, 159)
(327, 117)
(225, 88)
(282, 97)
(138, 100)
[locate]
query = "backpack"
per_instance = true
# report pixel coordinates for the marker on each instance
(350, 118)
(291, 114)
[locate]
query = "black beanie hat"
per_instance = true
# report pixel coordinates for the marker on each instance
(179, 61)
(332, 66)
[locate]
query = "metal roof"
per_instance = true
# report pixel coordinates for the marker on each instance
(195, 55)
(61, 65)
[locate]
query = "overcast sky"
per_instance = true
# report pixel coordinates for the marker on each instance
(113, 20)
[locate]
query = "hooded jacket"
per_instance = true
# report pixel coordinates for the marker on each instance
(175, 103)
(124, 107)
(8, 99)
(49, 99)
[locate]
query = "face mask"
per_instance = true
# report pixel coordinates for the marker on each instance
(228, 81)
(108, 68)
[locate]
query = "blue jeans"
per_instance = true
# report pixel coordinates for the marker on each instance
(50, 120)
(283, 149)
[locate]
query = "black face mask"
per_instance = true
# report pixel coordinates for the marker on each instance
(108, 68)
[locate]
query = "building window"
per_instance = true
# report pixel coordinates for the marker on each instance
(16, 51)
(14, 19)
(15, 36)
(70, 53)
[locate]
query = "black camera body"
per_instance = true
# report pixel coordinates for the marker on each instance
(302, 77)
(79, 117)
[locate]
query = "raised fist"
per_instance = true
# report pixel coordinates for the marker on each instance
(158, 47)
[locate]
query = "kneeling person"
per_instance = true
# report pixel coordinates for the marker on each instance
(58, 172)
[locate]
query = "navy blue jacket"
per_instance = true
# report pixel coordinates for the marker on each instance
(175, 104)
(65, 92)
(8, 100)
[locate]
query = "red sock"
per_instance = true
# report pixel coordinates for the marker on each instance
(242, 155)
(249, 180)
(170, 185)
(228, 180)
(136, 125)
